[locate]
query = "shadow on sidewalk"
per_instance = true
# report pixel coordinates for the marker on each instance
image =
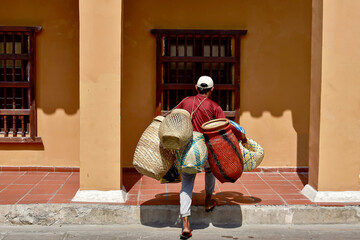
(163, 210)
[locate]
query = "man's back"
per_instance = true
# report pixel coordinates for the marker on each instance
(204, 109)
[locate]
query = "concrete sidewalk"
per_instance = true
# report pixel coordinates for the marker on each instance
(168, 215)
(114, 232)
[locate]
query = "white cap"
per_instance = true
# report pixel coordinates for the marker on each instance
(205, 82)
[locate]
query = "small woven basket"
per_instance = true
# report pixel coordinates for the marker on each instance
(193, 156)
(150, 158)
(176, 130)
(253, 154)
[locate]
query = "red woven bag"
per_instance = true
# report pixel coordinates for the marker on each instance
(225, 158)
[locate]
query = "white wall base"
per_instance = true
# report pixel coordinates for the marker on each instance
(329, 196)
(115, 196)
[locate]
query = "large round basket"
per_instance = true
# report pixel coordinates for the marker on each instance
(253, 154)
(176, 130)
(193, 156)
(150, 158)
(225, 158)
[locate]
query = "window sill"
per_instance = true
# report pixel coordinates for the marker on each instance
(20, 140)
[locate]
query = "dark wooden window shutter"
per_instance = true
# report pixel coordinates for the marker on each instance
(182, 56)
(17, 85)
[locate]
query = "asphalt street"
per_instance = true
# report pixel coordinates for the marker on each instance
(113, 232)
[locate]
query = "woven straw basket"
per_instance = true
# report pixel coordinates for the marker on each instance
(176, 130)
(253, 154)
(193, 156)
(225, 158)
(150, 158)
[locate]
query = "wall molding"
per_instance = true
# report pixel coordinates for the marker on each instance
(95, 196)
(330, 196)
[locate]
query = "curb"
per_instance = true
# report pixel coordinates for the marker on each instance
(168, 215)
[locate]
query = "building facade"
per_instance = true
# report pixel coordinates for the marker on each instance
(96, 81)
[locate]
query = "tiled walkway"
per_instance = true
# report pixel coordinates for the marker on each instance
(37, 187)
(257, 188)
(251, 188)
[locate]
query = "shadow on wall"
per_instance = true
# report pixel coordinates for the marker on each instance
(57, 69)
(57, 65)
(275, 71)
(57, 49)
(279, 88)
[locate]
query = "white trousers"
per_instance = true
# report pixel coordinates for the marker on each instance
(187, 189)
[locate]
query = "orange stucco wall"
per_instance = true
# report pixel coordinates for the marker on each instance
(57, 62)
(275, 68)
(339, 157)
(100, 81)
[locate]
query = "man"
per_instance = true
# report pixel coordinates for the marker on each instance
(202, 109)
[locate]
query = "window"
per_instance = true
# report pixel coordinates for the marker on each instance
(17, 85)
(182, 56)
